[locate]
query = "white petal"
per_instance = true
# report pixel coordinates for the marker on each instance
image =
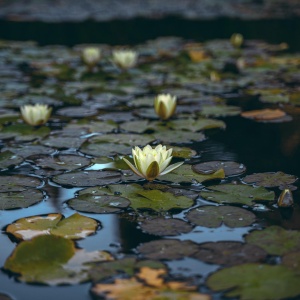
(171, 168)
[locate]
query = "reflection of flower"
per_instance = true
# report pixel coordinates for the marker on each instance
(37, 114)
(150, 163)
(124, 58)
(165, 105)
(91, 55)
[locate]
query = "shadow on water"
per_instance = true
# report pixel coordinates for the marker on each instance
(139, 30)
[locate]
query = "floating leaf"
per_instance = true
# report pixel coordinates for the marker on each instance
(270, 179)
(182, 152)
(168, 249)
(196, 125)
(165, 227)
(275, 240)
(73, 227)
(36, 261)
(255, 281)
(17, 183)
(109, 149)
(229, 253)
(215, 216)
(29, 150)
(185, 174)
(292, 261)
(264, 114)
(230, 168)
(237, 193)
(220, 110)
(87, 178)
(23, 199)
(99, 204)
(178, 136)
(9, 159)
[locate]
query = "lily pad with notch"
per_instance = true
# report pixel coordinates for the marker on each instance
(73, 227)
(34, 261)
(237, 193)
(165, 227)
(229, 253)
(87, 178)
(230, 168)
(275, 240)
(255, 281)
(214, 216)
(270, 179)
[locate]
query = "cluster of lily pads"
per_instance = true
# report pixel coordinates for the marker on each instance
(110, 130)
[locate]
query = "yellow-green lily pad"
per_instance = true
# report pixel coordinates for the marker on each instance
(255, 281)
(73, 227)
(220, 110)
(275, 240)
(52, 260)
(237, 193)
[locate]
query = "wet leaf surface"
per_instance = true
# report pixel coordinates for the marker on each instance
(35, 262)
(270, 179)
(230, 168)
(255, 281)
(167, 249)
(292, 261)
(165, 227)
(275, 240)
(63, 142)
(237, 193)
(9, 159)
(215, 216)
(264, 114)
(18, 183)
(230, 253)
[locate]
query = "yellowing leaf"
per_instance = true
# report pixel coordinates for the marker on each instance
(264, 114)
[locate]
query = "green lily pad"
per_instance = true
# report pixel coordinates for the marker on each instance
(269, 179)
(230, 168)
(182, 152)
(73, 227)
(87, 178)
(185, 174)
(29, 150)
(165, 227)
(138, 126)
(292, 261)
(229, 253)
(214, 216)
(22, 199)
(220, 110)
(237, 193)
(108, 149)
(127, 265)
(9, 159)
(63, 142)
(62, 162)
(17, 183)
(35, 262)
(255, 281)
(196, 125)
(117, 117)
(274, 98)
(275, 240)
(77, 112)
(169, 136)
(168, 249)
(99, 204)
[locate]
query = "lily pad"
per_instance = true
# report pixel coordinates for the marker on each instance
(220, 110)
(275, 240)
(230, 168)
(165, 227)
(99, 204)
(108, 149)
(63, 142)
(87, 178)
(168, 249)
(255, 281)
(17, 183)
(127, 265)
(34, 261)
(196, 125)
(9, 159)
(179, 136)
(22, 199)
(237, 193)
(62, 162)
(29, 150)
(215, 216)
(73, 227)
(292, 261)
(264, 114)
(77, 112)
(230, 253)
(185, 174)
(138, 126)
(182, 152)
(270, 179)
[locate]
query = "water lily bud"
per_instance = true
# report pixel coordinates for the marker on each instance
(125, 59)
(36, 115)
(91, 55)
(152, 162)
(285, 198)
(165, 105)
(237, 40)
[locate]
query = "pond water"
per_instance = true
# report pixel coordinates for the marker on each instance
(101, 112)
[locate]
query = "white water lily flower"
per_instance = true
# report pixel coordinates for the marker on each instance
(236, 40)
(152, 162)
(124, 58)
(91, 55)
(165, 105)
(37, 114)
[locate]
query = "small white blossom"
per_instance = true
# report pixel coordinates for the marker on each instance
(124, 59)
(91, 55)
(37, 114)
(165, 105)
